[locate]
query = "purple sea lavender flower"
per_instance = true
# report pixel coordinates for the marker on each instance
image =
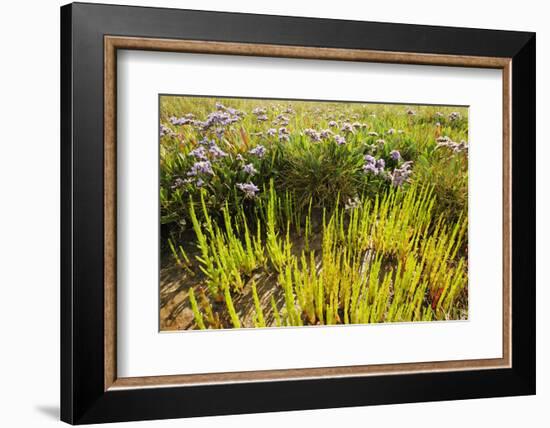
(219, 119)
(239, 157)
(281, 119)
(199, 182)
(370, 168)
(313, 134)
(249, 169)
(373, 165)
(454, 146)
(390, 131)
(346, 127)
(232, 111)
(325, 133)
(216, 152)
(283, 134)
(259, 111)
(332, 124)
(186, 119)
(249, 189)
(271, 132)
(201, 167)
(164, 130)
(401, 175)
(369, 159)
(261, 118)
(395, 155)
(199, 153)
(259, 151)
(340, 140)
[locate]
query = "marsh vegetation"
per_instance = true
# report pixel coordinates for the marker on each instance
(290, 213)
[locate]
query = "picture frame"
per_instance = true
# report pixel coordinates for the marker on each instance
(91, 390)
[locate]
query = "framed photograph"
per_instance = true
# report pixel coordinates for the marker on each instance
(265, 213)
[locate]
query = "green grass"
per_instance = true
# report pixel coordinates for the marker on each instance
(328, 242)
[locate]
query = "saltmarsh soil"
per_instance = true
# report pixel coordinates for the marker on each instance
(289, 213)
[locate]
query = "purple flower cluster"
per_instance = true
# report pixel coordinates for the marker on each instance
(346, 127)
(271, 132)
(216, 152)
(281, 120)
(164, 130)
(401, 175)
(202, 153)
(259, 111)
(201, 167)
(284, 135)
(258, 151)
(395, 155)
(249, 189)
(332, 124)
(249, 169)
(373, 166)
(453, 145)
(219, 119)
(339, 140)
(184, 120)
(326, 133)
(199, 153)
(313, 134)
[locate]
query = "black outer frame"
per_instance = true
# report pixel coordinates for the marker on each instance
(83, 399)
